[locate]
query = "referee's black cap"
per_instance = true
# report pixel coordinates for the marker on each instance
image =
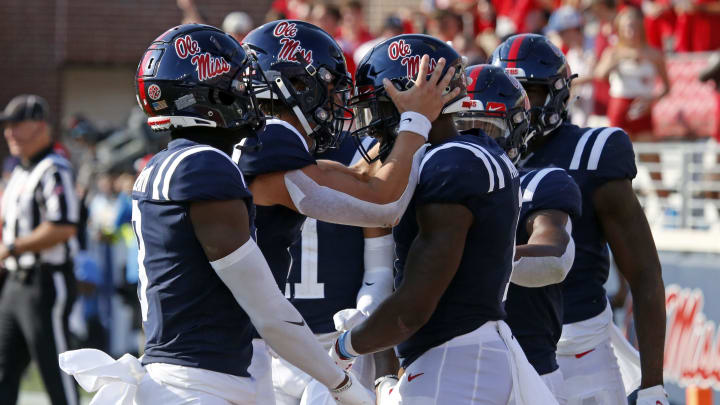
(25, 107)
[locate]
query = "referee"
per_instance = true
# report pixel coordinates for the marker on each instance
(39, 213)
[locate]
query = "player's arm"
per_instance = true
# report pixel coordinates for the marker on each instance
(432, 262)
(549, 253)
(378, 199)
(628, 233)
(378, 278)
(222, 228)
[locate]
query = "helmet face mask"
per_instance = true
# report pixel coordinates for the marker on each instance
(499, 106)
(196, 76)
(533, 60)
(396, 59)
(313, 83)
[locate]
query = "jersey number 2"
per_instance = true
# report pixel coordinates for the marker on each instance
(308, 287)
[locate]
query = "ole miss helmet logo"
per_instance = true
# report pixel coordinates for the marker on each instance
(206, 65)
(290, 47)
(400, 50)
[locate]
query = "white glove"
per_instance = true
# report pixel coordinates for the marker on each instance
(347, 319)
(341, 352)
(383, 388)
(652, 396)
(353, 393)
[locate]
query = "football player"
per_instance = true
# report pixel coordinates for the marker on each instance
(455, 247)
(203, 282)
(602, 163)
(306, 83)
(545, 249)
(336, 268)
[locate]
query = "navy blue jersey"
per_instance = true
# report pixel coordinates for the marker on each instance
(473, 171)
(592, 156)
(535, 314)
(327, 262)
(278, 227)
(189, 316)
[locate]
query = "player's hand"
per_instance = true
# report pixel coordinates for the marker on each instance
(652, 396)
(343, 360)
(347, 319)
(383, 389)
(426, 96)
(351, 392)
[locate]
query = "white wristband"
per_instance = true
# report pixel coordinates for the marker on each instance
(416, 123)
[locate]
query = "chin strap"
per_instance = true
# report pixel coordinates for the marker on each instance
(296, 109)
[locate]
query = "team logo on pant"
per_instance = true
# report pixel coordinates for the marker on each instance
(401, 50)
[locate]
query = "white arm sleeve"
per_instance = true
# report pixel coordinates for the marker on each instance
(246, 273)
(378, 277)
(330, 205)
(536, 272)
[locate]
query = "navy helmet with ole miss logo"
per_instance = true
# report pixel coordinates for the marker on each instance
(398, 60)
(498, 105)
(304, 68)
(534, 60)
(194, 75)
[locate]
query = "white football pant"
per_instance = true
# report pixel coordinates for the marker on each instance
(474, 368)
(593, 377)
(168, 384)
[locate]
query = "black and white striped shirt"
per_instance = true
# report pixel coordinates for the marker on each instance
(42, 191)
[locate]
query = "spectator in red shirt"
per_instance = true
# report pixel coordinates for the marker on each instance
(290, 9)
(698, 25)
(328, 17)
(353, 31)
(659, 22)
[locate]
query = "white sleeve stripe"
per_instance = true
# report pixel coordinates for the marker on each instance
(71, 199)
(491, 175)
(291, 128)
(598, 147)
(499, 172)
(529, 191)
(579, 148)
(511, 167)
(159, 174)
(72, 213)
(168, 176)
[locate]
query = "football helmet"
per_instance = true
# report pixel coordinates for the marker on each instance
(194, 75)
(304, 68)
(398, 60)
(498, 105)
(533, 59)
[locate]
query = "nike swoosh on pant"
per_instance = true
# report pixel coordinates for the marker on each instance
(301, 323)
(579, 355)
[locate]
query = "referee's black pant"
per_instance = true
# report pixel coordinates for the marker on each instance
(34, 310)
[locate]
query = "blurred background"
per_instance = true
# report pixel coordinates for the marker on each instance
(81, 55)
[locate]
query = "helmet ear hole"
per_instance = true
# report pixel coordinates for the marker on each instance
(221, 97)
